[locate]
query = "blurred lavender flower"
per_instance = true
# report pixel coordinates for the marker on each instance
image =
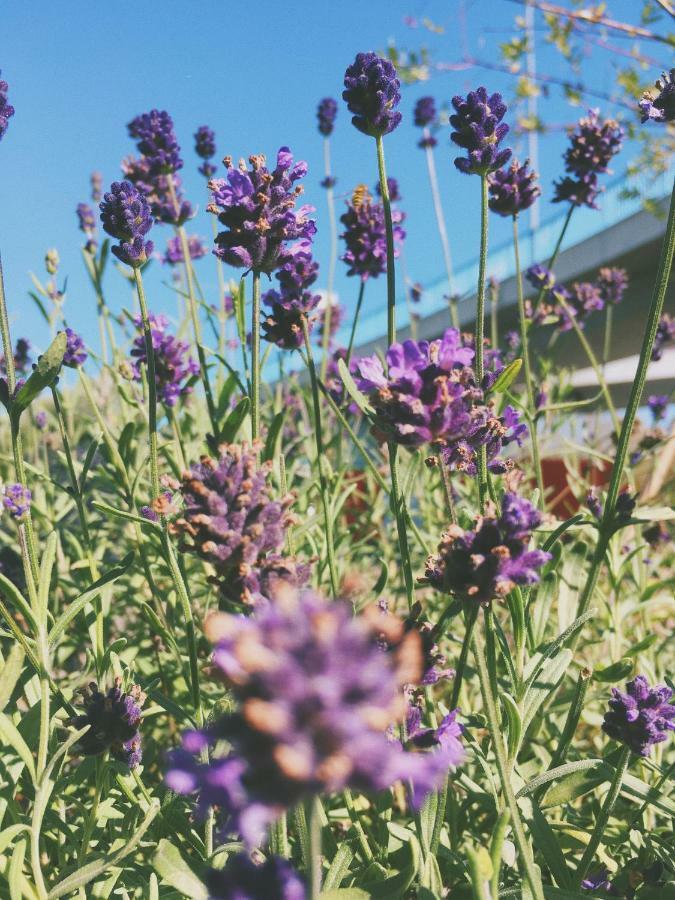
(392, 187)
(577, 191)
(612, 283)
(446, 735)
(156, 140)
(125, 215)
(665, 334)
(234, 524)
(658, 405)
(41, 420)
(625, 504)
(87, 224)
(6, 109)
(425, 117)
(21, 357)
(173, 366)
(75, 354)
(430, 395)
(96, 182)
(326, 113)
(114, 718)
(480, 565)
(583, 299)
(205, 148)
(294, 300)
(513, 189)
(641, 717)
(174, 249)
(315, 694)
(167, 205)
(598, 881)
(593, 143)
(660, 108)
(479, 130)
(540, 277)
(372, 93)
(242, 879)
(16, 499)
(257, 208)
(365, 235)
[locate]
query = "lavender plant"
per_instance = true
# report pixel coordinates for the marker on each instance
(332, 636)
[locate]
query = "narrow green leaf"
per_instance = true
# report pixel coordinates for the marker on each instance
(618, 671)
(10, 673)
(345, 894)
(46, 567)
(10, 736)
(43, 375)
(172, 868)
(233, 422)
(339, 867)
(515, 723)
(545, 682)
(88, 460)
(122, 514)
(15, 874)
(272, 441)
(351, 388)
(557, 773)
(507, 377)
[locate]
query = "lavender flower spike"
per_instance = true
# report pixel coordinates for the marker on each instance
(205, 148)
(125, 215)
(513, 190)
(294, 301)
(372, 93)
(173, 366)
(156, 140)
(662, 107)
(479, 130)
(114, 719)
(75, 355)
(6, 109)
(365, 235)
(326, 114)
(315, 693)
(16, 500)
(641, 717)
(480, 565)
(257, 209)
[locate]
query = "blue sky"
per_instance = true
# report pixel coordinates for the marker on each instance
(78, 72)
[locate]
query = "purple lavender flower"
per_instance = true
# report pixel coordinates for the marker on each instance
(205, 148)
(257, 208)
(16, 499)
(174, 249)
(242, 879)
(665, 334)
(372, 93)
(478, 566)
(41, 420)
(593, 143)
(593, 503)
(658, 405)
(87, 224)
(447, 735)
(114, 718)
(583, 299)
(6, 109)
(479, 130)
(125, 215)
(96, 182)
(21, 357)
(173, 366)
(425, 112)
(540, 278)
(75, 355)
(234, 523)
(513, 189)
(392, 187)
(598, 881)
(662, 107)
(641, 717)
(623, 510)
(294, 301)
(581, 191)
(326, 113)
(167, 206)
(365, 235)
(156, 140)
(315, 693)
(612, 283)
(430, 396)
(328, 182)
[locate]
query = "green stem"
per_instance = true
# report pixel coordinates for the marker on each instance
(556, 251)
(527, 366)
(397, 502)
(603, 818)
(607, 343)
(480, 326)
(43, 743)
(323, 484)
(355, 320)
(152, 385)
(255, 358)
(358, 827)
(470, 622)
(389, 225)
(494, 727)
(315, 858)
(332, 260)
(440, 224)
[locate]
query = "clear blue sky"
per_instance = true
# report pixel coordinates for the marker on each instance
(79, 71)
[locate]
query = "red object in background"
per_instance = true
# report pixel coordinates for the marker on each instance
(563, 502)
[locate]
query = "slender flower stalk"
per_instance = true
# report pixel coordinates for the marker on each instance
(332, 259)
(255, 358)
(480, 326)
(355, 320)
(603, 817)
(527, 367)
(442, 230)
(389, 225)
(323, 482)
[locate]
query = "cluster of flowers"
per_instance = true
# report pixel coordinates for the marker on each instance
(6, 108)
(294, 301)
(559, 302)
(429, 395)
(114, 718)
(155, 171)
(232, 521)
(173, 365)
(365, 235)
(174, 250)
(205, 148)
(593, 143)
(315, 693)
(487, 562)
